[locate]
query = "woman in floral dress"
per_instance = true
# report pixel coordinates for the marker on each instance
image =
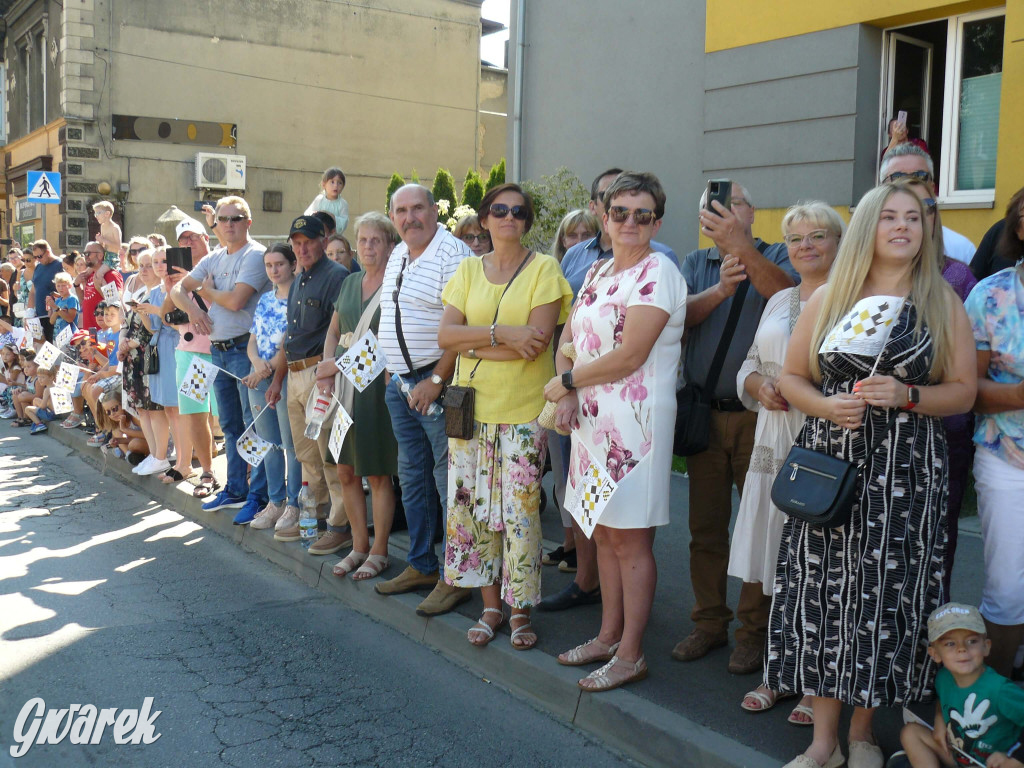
(619, 399)
(500, 315)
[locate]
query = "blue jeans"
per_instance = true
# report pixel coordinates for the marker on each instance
(275, 428)
(235, 417)
(422, 471)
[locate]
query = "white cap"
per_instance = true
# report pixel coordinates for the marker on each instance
(189, 225)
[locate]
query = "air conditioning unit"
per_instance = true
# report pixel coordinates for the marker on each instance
(215, 171)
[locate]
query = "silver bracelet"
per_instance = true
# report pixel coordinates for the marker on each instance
(494, 341)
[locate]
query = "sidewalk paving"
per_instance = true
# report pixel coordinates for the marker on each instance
(682, 715)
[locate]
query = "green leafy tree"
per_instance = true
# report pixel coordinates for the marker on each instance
(553, 197)
(444, 187)
(473, 190)
(496, 176)
(396, 182)
(414, 178)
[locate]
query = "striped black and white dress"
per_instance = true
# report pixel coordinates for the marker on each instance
(851, 604)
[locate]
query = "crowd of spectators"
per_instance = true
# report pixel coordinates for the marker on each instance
(840, 337)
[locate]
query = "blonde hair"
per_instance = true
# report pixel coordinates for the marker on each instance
(571, 221)
(929, 292)
(63, 277)
(816, 213)
(103, 205)
(236, 201)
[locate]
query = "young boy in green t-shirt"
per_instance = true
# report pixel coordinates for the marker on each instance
(979, 712)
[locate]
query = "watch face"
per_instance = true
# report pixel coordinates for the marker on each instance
(436, 379)
(914, 395)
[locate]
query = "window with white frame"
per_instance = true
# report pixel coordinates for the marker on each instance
(947, 75)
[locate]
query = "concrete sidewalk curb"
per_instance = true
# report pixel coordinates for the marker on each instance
(624, 721)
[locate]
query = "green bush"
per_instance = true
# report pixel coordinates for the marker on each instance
(496, 176)
(395, 183)
(553, 197)
(444, 187)
(473, 190)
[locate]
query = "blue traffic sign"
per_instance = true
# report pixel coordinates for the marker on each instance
(43, 187)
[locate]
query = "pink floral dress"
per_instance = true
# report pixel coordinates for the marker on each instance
(627, 424)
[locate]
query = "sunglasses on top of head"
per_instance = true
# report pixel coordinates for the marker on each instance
(642, 216)
(500, 211)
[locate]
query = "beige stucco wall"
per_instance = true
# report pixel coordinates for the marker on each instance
(374, 86)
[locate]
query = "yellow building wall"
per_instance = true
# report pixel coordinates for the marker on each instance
(733, 23)
(39, 143)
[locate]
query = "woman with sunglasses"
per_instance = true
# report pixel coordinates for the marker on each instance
(136, 246)
(469, 231)
(619, 400)
(500, 316)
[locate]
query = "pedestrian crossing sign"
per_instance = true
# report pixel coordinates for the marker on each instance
(43, 187)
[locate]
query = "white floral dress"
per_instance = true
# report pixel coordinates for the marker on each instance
(627, 425)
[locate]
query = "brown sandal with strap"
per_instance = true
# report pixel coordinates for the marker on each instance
(207, 485)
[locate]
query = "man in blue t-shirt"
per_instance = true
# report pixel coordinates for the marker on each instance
(47, 267)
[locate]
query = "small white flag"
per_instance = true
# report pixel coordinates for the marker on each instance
(111, 293)
(342, 422)
(591, 494)
(19, 309)
(198, 379)
(67, 376)
(47, 355)
(251, 447)
(61, 399)
(363, 361)
(34, 327)
(63, 338)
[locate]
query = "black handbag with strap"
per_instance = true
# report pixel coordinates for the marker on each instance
(821, 489)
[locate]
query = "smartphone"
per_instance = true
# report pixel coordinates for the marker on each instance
(901, 117)
(720, 190)
(179, 257)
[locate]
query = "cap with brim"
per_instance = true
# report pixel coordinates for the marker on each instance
(310, 226)
(952, 616)
(79, 336)
(188, 225)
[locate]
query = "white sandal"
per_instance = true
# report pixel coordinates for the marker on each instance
(352, 561)
(484, 628)
(374, 565)
(524, 629)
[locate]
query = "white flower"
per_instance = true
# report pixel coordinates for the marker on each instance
(443, 206)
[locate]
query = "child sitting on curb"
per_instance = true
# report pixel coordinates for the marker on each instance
(41, 410)
(979, 712)
(126, 437)
(25, 392)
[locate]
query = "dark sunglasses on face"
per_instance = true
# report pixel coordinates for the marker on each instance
(642, 216)
(136, 251)
(233, 219)
(500, 211)
(481, 238)
(922, 175)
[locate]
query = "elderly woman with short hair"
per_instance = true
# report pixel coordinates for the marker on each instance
(469, 231)
(619, 399)
(812, 232)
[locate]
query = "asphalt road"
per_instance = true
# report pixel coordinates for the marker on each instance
(106, 598)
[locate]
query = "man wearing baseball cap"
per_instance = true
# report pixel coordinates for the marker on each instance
(310, 309)
(230, 281)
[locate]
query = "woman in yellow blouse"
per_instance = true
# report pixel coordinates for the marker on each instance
(500, 315)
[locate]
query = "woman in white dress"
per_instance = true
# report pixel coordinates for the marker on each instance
(618, 398)
(811, 232)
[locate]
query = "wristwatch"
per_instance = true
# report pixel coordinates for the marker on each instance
(913, 398)
(435, 379)
(567, 380)
(199, 289)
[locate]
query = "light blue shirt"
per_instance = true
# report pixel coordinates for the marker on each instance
(578, 260)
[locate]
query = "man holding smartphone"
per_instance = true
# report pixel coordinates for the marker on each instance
(713, 276)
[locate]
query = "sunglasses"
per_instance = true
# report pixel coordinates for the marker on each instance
(922, 175)
(136, 251)
(500, 211)
(477, 238)
(642, 216)
(233, 219)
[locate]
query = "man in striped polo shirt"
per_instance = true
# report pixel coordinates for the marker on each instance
(410, 313)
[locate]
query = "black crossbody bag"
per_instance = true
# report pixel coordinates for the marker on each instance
(821, 489)
(460, 402)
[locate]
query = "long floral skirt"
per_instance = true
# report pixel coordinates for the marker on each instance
(493, 520)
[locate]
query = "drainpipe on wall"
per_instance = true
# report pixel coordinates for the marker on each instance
(517, 94)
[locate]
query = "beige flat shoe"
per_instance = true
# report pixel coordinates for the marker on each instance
(803, 761)
(589, 652)
(614, 674)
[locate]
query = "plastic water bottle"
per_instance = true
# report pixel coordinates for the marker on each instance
(406, 389)
(307, 516)
(316, 418)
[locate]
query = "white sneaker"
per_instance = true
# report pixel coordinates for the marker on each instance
(267, 516)
(140, 468)
(289, 519)
(155, 466)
